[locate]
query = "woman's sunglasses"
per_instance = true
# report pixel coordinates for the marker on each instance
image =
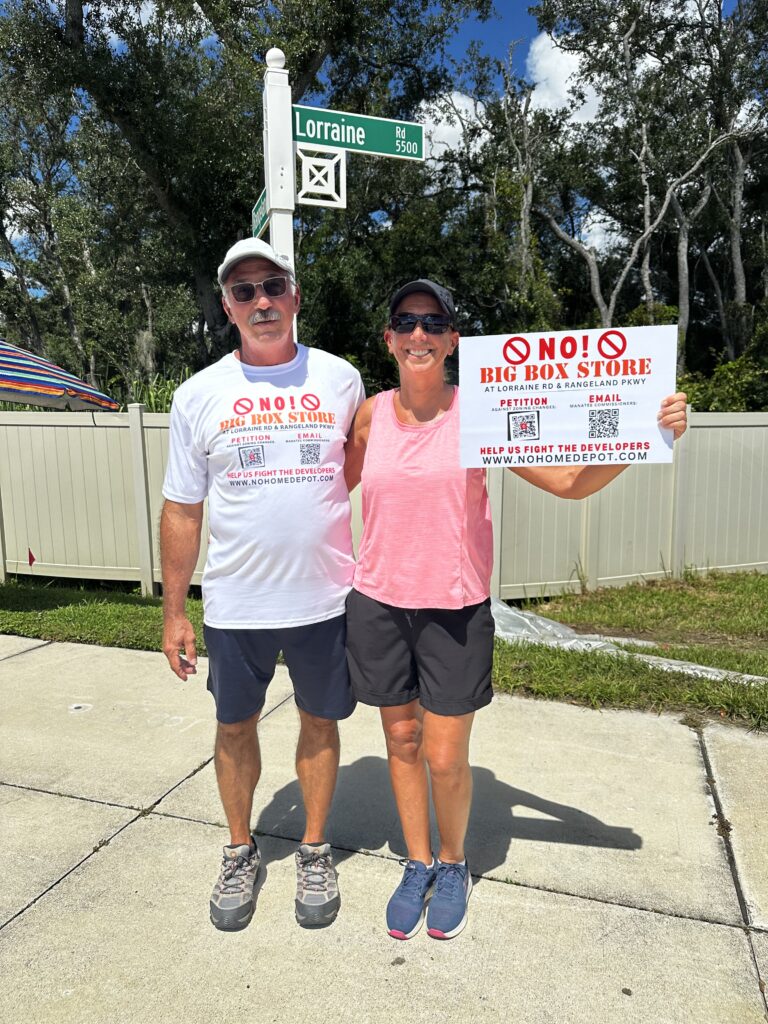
(431, 323)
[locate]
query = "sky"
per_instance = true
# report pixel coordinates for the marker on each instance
(512, 22)
(535, 57)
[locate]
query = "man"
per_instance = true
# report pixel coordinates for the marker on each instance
(261, 434)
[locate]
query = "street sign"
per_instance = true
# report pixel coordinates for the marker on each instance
(313, 126)
(260, 216)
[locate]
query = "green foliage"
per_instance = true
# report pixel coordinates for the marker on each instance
(738, 386)
(131, 154)
(157, 394)
(638, 317)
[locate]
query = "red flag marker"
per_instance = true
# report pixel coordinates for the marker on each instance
(30, 557)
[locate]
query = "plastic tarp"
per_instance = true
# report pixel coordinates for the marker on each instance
(516, 626)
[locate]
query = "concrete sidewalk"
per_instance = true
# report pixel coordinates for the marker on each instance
(620, 863)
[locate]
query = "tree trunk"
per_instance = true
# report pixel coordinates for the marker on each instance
(33, 336)
(145, 340)
(69, 317)
(645, 263)
(737, 202)
(724, 324)
(738, 312)
(683, 276)
(683, 292)
(223, 337)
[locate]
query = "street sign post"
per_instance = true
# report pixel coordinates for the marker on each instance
(260, 216)
(313, 126)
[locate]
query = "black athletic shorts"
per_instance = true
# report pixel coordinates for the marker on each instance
(241, 664)
(439, 656)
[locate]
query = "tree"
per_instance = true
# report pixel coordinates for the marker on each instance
(183, 90)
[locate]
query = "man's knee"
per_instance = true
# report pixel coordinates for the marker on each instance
(322, 730)
(231, 734)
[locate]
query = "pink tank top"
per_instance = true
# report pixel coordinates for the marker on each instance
(427, 537)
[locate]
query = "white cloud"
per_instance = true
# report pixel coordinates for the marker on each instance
(554, 72)
(447, 121)
(600, 232)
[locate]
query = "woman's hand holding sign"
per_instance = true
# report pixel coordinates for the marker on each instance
(672, 415)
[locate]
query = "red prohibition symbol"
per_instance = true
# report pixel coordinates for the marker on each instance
(516, 350)
(611, 344)
(243, 406)
(310, 402)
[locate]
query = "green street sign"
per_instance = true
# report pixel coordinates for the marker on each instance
(313, 126)
(260, 216)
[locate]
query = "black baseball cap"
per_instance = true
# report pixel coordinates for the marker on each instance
(442, 295)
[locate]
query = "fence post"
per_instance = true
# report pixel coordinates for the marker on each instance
(2, 542)
(586, 571)
(495, 480)
(141, 496)
(679, 500)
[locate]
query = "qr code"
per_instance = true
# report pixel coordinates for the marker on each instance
(252, 456)
(603, 422)
(310, 454)
(523, 426)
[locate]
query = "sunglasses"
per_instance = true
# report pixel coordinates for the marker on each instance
(431, 323)
(246, 291)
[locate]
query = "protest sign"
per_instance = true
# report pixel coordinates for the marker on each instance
(567, 398)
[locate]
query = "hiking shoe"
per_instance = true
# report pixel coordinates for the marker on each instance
(317, 887)
(405, 910)
(447, 912)
(232, 899)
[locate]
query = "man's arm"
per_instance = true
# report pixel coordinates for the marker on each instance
(581, 481)
(180, 527)
(354, 450)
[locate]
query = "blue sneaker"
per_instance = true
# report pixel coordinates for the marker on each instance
(405, 910)
(448, 907)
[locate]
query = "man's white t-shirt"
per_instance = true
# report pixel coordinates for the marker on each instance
(265, 445)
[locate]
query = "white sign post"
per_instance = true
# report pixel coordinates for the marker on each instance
(279, 160)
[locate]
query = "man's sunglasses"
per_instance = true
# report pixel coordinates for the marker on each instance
(431, 323)
(246, 291)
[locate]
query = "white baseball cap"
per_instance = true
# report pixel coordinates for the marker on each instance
(253, 247)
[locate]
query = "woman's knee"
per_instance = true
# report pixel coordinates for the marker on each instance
(446, 761)
(404, 738)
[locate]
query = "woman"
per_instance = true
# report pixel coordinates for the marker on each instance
(419, 625)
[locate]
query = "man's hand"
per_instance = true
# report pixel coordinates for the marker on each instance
(672, 415)
(179, 646)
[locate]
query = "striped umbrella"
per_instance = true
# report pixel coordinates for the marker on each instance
(28, 378)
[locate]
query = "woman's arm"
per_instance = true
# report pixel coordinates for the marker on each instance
(354, 450)
(580, 481)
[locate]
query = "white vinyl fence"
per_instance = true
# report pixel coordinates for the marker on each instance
(80, 496)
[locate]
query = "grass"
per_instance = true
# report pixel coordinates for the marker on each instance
(601, 680)
(76, 614)
(715, 620)
(714, 608)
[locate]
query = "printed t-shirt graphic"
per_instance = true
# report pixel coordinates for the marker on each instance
(265, 445)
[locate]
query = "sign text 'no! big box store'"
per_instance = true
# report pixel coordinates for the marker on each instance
(567, 398)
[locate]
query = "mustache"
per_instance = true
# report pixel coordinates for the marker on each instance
(260, 316)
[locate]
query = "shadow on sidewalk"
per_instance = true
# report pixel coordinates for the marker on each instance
(364, 817)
